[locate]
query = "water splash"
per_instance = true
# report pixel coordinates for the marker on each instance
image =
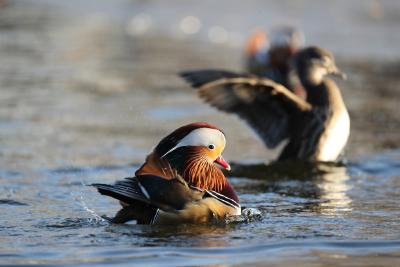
(248, 215)
(96, 218)
(79, 198)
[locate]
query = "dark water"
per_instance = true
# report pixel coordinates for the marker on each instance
(88, 89)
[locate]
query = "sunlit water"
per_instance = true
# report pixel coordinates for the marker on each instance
(84, 98)
(51, 217)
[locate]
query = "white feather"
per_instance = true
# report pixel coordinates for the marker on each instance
(201, 137)
(335, 138)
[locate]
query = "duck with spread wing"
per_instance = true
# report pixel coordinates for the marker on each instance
(316, 128)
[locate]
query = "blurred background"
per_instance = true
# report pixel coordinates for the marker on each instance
(94, 82)
(87, 88)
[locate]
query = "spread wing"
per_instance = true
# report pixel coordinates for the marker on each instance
(266, 106)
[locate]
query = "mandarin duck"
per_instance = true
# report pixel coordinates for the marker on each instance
(316, 129)
(271, 55)
(179, 182)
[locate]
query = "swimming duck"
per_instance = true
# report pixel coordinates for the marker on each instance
(256, 53)
(316, 129)
(270, 56)
(179, 182)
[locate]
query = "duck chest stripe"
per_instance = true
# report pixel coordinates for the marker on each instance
(228, 201)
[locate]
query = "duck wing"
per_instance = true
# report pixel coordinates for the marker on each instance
(156, 200)
(149, 189)
(268, 107)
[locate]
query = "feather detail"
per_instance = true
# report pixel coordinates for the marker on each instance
(173, 138)
(188, 162)
(156, 166)
(199, 172)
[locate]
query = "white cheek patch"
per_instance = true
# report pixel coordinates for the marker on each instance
(201, 137)
(319, 73)
(326, 61)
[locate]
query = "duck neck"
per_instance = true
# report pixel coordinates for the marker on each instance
(196, 170)
(312, 80)
(310, 76)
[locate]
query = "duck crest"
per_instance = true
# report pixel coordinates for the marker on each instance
(157, 164)
(173, 138)
(189, 162)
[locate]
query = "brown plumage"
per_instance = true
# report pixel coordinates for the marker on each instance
(316, 128)
(271, 55)
(200, 173)
(178, 183)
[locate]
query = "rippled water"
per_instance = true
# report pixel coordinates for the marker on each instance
(83, 100)
(350, 214)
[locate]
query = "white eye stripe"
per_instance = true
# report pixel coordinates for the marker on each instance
(201, 137)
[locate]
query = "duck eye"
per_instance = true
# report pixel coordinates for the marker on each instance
(211, 146)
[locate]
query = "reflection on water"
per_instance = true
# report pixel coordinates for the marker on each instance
(326, 182)
(334, 187)
(182, 235)
(312, 215)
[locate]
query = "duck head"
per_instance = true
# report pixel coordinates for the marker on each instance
(314, 63)
(287, 36)
(257, 45)
(276, 49)
(285, 42)
(191, 151)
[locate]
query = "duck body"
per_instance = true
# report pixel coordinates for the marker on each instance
(337, 125)
(321, 133)
(316, 128)
(178, 183)
(154, 200)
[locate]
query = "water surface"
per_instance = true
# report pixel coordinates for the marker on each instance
(84, 97)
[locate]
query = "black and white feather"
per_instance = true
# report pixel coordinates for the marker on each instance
(126, 190)
(167, 195)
